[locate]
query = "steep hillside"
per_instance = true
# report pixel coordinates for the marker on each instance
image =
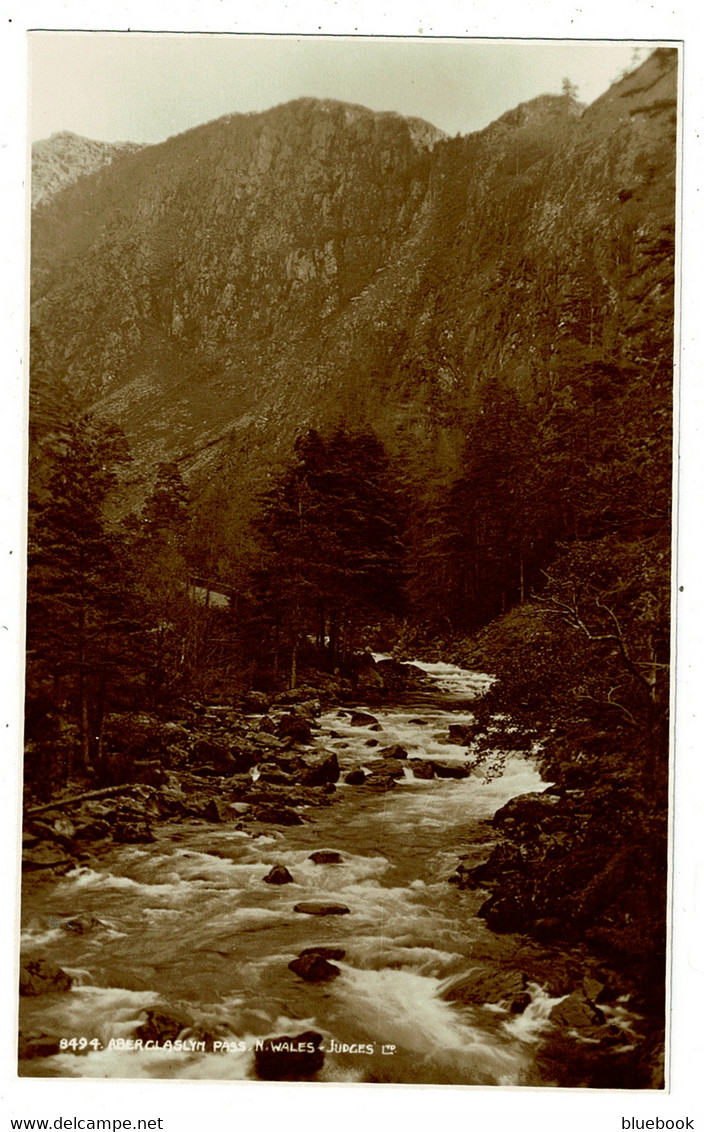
(264, 272)
(60, 160)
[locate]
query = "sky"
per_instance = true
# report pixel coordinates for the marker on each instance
(146, 87)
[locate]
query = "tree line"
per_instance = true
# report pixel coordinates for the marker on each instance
(562, 500)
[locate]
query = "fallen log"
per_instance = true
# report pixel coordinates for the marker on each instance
(105, 792)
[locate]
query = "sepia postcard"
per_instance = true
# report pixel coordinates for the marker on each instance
(352, 380)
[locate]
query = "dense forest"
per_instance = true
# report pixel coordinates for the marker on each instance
(561, 509)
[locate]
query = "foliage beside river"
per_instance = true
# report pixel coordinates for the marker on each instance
(586, 859)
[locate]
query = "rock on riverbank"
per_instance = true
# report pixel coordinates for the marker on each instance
(257, 761)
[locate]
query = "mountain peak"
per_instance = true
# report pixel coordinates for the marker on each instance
(60, 160)
(543, 108)
(344, 114)
(353, 111)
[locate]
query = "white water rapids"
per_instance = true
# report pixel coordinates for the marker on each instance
(187, 926)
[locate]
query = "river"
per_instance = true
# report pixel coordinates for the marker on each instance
(186, 925)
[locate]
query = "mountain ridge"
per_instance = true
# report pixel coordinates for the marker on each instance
(267, 272)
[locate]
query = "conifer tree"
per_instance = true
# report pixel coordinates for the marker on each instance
(494, 533)
(161, 575)
(75, 583)
(330, 532)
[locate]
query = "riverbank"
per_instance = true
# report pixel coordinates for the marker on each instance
(584, 860)
(252, 762)
(255, 906)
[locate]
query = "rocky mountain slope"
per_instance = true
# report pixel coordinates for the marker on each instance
(63, 158)
(317, 262)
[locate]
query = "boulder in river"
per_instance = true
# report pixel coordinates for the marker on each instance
(160, 1027)
(131, 832)
(364, 719)
(294, 726)
(492, 985)
(321, 772)
(382, 779)
(211, 752)
(450, 770)
(310, 708)
(244, 756)
(422, 768)
(395, 751)
(321, 908)
(270, 772)
(314, 968)
(39, 976)
(79, 925)
(383, 771)
(216, 810)
(42, 829)
(238, 785)
(278, 874)
(326, 857)
(594, 990)
(400, 676)
(520, 1003)
(462, 733)
(355, 778)
(208, 771)
(578, 1014)
(289, 1058)
(269, 742)
(277, 815)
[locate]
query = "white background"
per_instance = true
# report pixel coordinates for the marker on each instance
(186, 1105)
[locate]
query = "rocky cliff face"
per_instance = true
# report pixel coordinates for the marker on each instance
(264, 272)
